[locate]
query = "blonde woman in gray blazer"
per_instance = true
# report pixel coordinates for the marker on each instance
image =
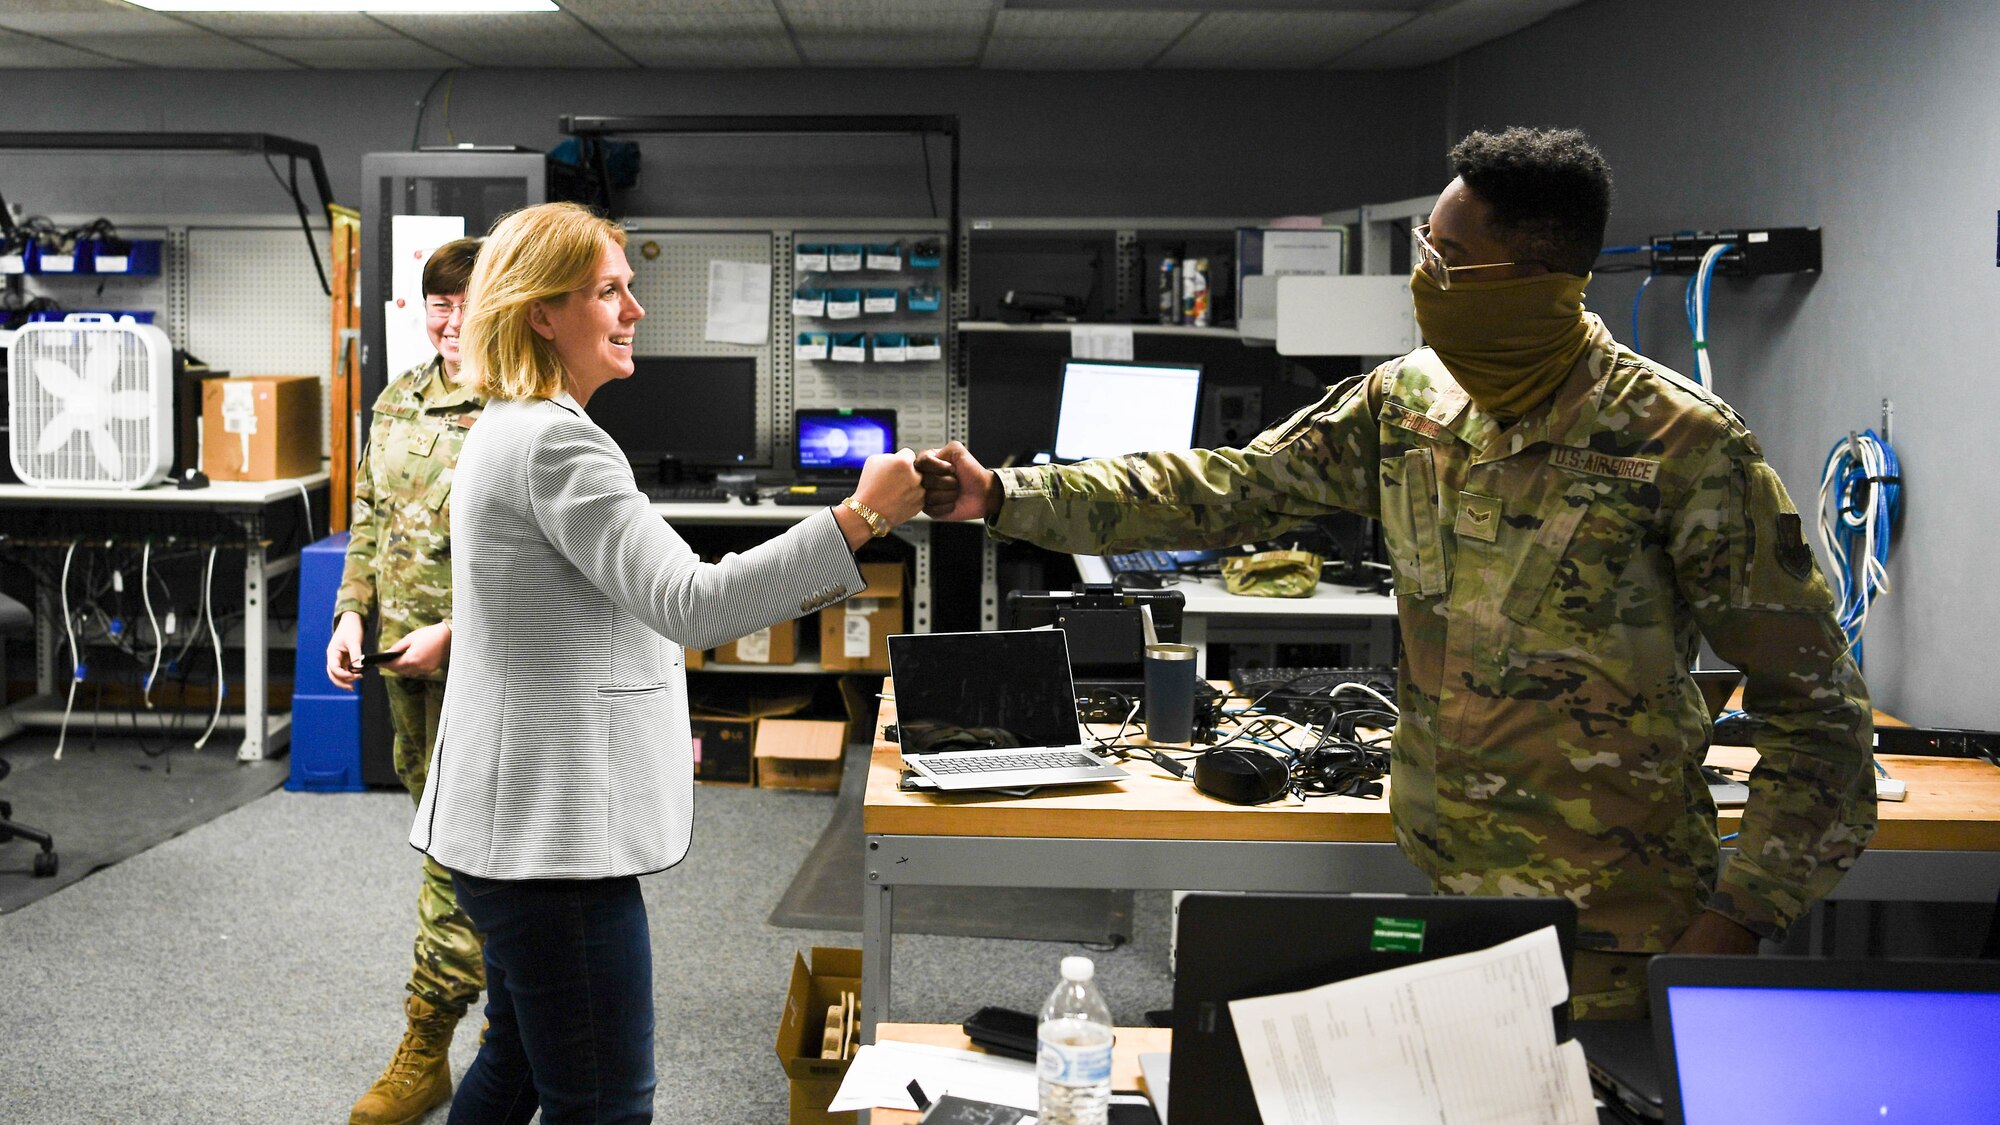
(562, 769)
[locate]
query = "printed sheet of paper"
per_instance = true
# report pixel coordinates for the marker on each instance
(739, 302)
(1100, 341)
(1465, 1040)
(881, 1073)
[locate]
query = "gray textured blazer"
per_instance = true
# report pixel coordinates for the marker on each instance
(563, 751)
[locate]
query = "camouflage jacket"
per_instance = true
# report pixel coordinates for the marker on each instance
(1554, 580)
(399, 542)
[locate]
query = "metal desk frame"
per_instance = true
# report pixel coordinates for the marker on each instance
(244, 503)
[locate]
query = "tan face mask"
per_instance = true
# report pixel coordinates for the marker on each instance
(1510, 343)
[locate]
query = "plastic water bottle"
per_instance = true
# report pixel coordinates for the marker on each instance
(1073, 1050)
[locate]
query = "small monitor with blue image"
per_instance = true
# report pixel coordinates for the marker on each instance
(838, 442)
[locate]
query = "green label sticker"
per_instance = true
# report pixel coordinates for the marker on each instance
(1397, 935)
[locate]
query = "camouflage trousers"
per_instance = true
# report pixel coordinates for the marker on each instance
(449, 970)
(1605, 985)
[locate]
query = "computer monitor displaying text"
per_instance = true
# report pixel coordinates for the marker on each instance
(1109, 408)
(701, 410)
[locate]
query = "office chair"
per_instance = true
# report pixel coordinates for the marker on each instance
(14, 618)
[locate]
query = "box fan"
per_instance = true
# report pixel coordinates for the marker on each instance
(90, 403)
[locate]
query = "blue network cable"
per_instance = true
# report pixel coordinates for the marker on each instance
(1696, 300)
(1860, 500)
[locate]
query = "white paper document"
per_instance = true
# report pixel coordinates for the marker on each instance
(1100, 341)
(739, 302)
(881, 1073)
(1465, 1040)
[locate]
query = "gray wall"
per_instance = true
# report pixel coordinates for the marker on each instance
(1181, 143)
(1875, 121)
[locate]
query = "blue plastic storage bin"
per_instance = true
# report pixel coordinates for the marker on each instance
(326, 721)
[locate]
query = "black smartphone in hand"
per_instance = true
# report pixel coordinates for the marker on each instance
(377, 659)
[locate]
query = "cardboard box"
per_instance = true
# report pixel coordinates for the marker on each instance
(696, 657)
(815, 986)
(724, 723)
(722, 749)
(800, 753)
(778, 644)
(854, 635)
(260, 427)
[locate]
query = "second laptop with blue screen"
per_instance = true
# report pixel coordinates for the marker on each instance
(829, 447)
(991, 710)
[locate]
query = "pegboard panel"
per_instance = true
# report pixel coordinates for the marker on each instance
(254, 305)
(670, 278)
(918, 391)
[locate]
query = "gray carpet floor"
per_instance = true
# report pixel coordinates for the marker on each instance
(106, 802)
(250, 970)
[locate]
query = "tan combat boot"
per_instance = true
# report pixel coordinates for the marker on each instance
(419, 1077)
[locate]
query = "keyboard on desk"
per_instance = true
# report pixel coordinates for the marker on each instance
(685, 494)
(1312, 681)
(810, 494)
(1001, 763)
(1141, 562)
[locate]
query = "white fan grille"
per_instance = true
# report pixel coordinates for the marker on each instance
(89, 405)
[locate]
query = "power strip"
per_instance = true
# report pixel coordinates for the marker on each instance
(1891, 789)
(1940, 742)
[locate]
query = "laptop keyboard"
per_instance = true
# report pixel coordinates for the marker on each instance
(686, 493)
(998, 763)
(1142, 562)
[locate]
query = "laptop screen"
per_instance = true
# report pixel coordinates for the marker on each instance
(1823, 1052)
(836, 443)
(1110, 408)
(970, 691)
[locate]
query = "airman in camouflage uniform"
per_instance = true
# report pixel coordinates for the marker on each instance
(1555, 576)
(399, 566)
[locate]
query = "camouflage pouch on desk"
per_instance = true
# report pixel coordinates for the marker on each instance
(1272, 574)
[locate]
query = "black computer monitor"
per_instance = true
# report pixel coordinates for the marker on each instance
(837, 443)
(1110, 407)
(699, 410)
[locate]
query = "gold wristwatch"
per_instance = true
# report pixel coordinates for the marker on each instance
(877, 526)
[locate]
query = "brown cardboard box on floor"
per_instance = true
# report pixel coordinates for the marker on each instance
(260, 427)
(801, 1029)
(854, 634)
(778, 644)
(800, 753)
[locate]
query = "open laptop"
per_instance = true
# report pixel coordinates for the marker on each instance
(1807, 1040)
(1232, 947)
(828, 449)
(991, 711)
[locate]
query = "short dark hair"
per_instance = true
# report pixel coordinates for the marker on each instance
(1550, 191)
(449, 268)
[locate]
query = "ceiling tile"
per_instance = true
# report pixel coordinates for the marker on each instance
(1438, 35)
(885, 49)
(1159, 26)
(198, 51)
(1263, 40)
(358, 54)
(698, 52)
(597, 10)
(90, 18)
(312, 25)
(909, 19)
(541, 40)
(19, 52)
(679, 22)
(1070, 54)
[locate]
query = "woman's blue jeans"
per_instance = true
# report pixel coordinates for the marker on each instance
(569, 1001)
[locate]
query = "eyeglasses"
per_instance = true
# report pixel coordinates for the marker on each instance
(1431, 262)
(442, 310)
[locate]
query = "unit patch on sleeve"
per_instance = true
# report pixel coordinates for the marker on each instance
(1604, 464)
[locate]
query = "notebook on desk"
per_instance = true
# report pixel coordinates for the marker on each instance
(829, 447)
(1808, 1040)
(991, 711)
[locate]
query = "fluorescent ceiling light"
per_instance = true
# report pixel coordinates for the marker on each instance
(390, 7)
